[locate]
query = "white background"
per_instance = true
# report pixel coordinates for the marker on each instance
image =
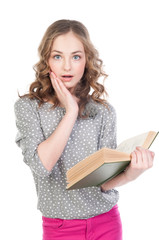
(126, 36)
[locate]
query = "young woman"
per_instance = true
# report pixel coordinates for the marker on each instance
(60, 123)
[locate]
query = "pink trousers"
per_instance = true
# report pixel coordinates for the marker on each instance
(106, 226)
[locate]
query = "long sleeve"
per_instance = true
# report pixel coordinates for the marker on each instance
(98, 130)
(29, 135)
(108, 129)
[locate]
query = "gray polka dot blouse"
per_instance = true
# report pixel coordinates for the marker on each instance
(35, 125)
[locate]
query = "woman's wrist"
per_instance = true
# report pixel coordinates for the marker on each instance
(72, 112)
(117, 181)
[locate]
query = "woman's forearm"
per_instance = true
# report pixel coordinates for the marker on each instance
(51, 149)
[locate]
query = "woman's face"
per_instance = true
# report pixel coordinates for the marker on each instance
(67, 59)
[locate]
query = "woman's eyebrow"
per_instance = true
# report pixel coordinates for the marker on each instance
(78, 51)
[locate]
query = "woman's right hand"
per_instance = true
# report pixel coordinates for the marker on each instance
(141, 160)
(65, 97)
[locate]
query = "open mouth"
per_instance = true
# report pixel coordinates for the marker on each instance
(67, 76)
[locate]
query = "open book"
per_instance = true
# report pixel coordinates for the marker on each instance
(106, 163)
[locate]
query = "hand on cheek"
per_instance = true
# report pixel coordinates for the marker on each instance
(66, 99)
(141, 160)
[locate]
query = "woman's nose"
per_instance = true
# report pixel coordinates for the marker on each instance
(67, 65)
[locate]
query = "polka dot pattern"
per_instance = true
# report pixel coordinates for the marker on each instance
(35, 125)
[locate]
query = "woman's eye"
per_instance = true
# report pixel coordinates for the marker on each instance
(57, 57)
(76, 57)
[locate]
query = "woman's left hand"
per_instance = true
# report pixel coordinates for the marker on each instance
(141, 160)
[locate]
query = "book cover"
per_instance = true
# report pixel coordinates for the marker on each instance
(106, 163)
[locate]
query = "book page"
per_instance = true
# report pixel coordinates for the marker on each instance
(130, 144)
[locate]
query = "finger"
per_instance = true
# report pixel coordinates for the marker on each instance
(150, 158)
(56, 86)
(52, 78)
(54, 81)
(53, 74)
(142, 154)
(145, 157)
(133, 158)
(138, 157)
(58, 81)
(152, 154)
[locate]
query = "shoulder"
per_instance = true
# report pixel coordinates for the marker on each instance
(25, 105)
(101, 109)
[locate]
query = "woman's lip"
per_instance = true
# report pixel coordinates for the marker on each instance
(66, 79)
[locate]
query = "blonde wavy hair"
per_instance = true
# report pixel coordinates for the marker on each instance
(42, 88)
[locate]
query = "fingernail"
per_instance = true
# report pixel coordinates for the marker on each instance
(138, 147)
(153, 154)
